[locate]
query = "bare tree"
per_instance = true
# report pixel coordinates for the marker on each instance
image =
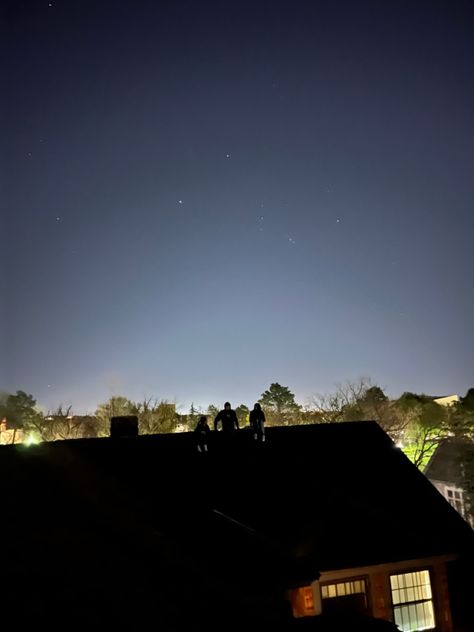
(361, 400)
(334, 406)
(155, 416)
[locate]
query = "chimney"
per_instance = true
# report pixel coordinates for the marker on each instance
(124, 427)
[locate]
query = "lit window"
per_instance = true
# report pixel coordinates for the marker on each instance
(308, 598)
(348, 596)
(412, 601)
(302, 601)
(343, 589)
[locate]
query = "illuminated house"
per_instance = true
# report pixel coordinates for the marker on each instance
(317, 523)
(8, 435)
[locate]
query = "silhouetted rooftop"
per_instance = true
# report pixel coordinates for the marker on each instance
(131, 517)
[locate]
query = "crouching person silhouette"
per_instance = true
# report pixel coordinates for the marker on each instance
(257, 423)
(202, 431)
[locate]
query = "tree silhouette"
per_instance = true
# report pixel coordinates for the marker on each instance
(279, 405)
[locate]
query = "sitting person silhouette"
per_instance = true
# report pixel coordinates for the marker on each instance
(202, 431)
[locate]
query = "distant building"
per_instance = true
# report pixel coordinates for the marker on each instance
(447, 400)
(59, 427)
(9, 436)
(447, 470)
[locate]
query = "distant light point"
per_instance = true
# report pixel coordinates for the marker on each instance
(227, 155)
(180, 201)
(338, 221)
(58, 219)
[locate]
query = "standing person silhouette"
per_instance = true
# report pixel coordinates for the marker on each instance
(228, 418)
(257, 422)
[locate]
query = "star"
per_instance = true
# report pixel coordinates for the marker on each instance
(58, 219)
(180, 201)
(227, 155)
(338, 221)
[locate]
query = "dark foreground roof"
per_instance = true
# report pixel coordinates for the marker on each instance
(128, 529)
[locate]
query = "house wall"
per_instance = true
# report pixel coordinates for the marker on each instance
(449, 400)
(379, 593)
(7, 437)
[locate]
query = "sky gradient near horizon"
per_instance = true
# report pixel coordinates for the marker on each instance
(202, 198)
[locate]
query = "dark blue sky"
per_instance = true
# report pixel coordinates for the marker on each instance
(201, 198)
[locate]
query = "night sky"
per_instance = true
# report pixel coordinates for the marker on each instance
(202, 198)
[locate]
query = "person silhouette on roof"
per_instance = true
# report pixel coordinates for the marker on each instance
(228, 418)
(202, 431)
(257, 422)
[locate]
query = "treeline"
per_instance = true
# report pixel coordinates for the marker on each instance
(416, 422)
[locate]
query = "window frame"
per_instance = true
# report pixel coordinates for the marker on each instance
(455, 497)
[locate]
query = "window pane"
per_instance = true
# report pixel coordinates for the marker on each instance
(399, 618)
(427, 591)
(324, 592)
(429, 615)
(394, 582)
(332, 590)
